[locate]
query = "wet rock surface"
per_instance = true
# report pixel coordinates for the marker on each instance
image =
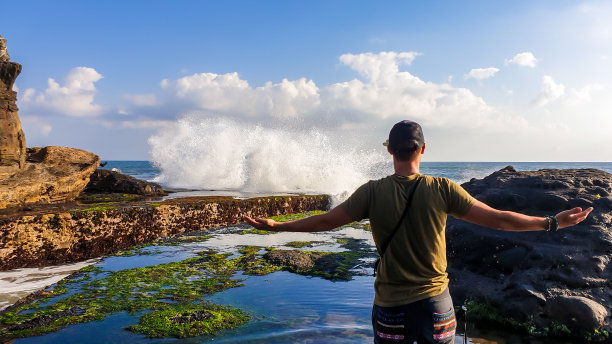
(562, 277)
(108, 181)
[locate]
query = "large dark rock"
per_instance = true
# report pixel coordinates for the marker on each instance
(563, 276)
(108, 181)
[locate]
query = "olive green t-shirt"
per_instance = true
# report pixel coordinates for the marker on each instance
(414, 264)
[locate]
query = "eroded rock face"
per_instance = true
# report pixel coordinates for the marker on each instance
(12, 139)
(50, 175)
(108, 181)
(563, 276)
(43, 238)
(4, 55)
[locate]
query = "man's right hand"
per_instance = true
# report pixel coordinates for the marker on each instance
(259, 223)
(572, 217)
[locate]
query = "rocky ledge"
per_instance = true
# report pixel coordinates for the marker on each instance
(552, 283)
(57, 234)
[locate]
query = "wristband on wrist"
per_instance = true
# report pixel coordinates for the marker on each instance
(551, 223)
(555, 223)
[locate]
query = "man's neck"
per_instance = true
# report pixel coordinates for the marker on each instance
(406, 168)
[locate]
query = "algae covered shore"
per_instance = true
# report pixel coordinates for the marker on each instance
(166, 286)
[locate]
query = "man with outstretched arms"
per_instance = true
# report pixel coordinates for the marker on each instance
(407, 212)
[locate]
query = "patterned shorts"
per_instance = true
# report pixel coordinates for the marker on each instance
(431, 320)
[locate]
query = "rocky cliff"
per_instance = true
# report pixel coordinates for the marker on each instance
(541, 279)
(12, 139)
(35, 175)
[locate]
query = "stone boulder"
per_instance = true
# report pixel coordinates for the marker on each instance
(562, 276)
(50, 175)
(108, 181)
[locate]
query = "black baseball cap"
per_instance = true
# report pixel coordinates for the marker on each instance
(405, 136)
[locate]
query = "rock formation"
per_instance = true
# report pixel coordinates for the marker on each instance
(12, 139)
(47, 175)
(55, 235)
(108, 181)
(559, 277)
(51, 175)
(4, 55)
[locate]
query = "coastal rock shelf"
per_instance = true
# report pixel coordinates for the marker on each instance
(540, 281)
(63, 234)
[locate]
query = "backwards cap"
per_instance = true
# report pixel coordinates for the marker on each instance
(405, 136)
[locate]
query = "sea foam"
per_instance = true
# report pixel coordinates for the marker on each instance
(223, 154)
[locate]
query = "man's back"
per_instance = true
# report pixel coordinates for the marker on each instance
(414, 265)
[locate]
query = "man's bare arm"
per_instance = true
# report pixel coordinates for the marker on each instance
(317, 223)
(482, 214)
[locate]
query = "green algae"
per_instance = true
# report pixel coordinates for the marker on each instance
(300, 244)
(189, 321)
(256, 231)
(296, 216)
(487, 314)
(93, 294)
(99, 208)
(141, 249)
(157, 293)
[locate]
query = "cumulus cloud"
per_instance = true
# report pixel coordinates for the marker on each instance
(228, 94)
(549, 91)
(481, 73)
(526, 59)
(74, 98)
(382, 91)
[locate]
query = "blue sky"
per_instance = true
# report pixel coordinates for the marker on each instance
(488, 80)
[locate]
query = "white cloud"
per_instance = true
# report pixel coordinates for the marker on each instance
(382, 92)
(228, 94)
(583, 95)
(526, 59)
(549, 91)
(377, 66)
(481, 73)
(75, 98)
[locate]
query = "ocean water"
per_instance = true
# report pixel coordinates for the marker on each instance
(457, 171)
(289, 308)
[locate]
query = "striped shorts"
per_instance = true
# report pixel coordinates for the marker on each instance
(430, 320)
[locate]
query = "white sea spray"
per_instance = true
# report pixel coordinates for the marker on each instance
(223, 154)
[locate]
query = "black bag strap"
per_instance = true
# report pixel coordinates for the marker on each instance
(394, 231)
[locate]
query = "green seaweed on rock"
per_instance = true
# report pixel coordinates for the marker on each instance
(176, 290)
(189, 321)
(92, 295)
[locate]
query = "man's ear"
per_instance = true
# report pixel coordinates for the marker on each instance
(423, 149)
(389, 150)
